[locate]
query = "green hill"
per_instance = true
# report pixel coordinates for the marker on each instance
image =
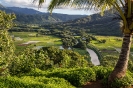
(97, 24)
(30, 16)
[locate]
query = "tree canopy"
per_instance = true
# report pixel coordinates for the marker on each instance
(6, 43)
(6, 20)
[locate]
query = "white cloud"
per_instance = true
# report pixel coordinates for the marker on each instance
(21, 3)
(30, 4)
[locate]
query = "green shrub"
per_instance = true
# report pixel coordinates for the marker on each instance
(126, 81)
(36, 72)
(45, 59)
(6, 51)
(14, 82)
(79, 77)
(2, 85)
(34, 82)
(109, 61)
(6, 43)
(57, 82)
(102, 72)
(22, 64)
(130, 65)
(76, 76)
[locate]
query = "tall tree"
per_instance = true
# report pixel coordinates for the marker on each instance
(126, 13)
(6, 44)
(6, 20)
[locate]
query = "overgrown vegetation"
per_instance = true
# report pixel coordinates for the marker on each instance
(51, 67)
(64, 78)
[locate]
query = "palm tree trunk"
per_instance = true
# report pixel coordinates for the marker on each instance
(121, 66)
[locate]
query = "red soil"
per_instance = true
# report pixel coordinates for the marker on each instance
(97, 84)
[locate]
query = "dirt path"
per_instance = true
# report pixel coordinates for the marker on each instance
(96, 84)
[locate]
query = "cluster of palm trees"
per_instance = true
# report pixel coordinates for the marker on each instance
(125, 10)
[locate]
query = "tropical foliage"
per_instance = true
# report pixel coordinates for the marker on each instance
(50, 67)
(6, 44)
(125, 15)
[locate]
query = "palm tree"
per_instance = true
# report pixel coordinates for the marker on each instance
(125, 10)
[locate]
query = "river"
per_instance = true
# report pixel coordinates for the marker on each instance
(94, 57)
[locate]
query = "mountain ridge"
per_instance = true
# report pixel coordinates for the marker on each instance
(97, 24)
(30, 16)
(27, 11)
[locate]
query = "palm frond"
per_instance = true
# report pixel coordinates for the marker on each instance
(40, 2)
(83, 4)
(101, 5)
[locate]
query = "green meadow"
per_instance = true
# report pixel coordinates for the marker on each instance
(112, 46)
(43, 40)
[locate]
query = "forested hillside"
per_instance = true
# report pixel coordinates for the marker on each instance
(97, 24)
(45, 18)
(25, 10)
(30, 16)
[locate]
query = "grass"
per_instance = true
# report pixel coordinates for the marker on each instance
(45, 40)
(50, 40)
(111, 43)
(83, 52)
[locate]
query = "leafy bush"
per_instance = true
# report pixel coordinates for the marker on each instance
(48, 57)
(79, 77)
(102, 72)
(28, 60)
(6, 51)
(6, 43)
(65, 58)
(57, 82)
(76, 76)
(14, 82)
(22, 63)
(34, 82)
(126, 81)
(130, 65)
(109, 61)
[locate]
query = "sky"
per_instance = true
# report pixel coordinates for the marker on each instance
(29, 4)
